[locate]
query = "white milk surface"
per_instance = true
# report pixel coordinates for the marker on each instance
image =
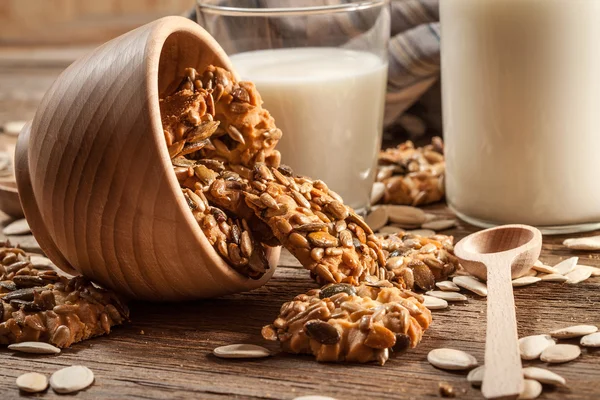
(521, 97)
(329, 104)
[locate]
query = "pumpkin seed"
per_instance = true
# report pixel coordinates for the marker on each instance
(472, 284)
(241, 351)
(587, 243)
(595, 270)
(390, 229)
(421, 232)
(32, 382)
(525, 281)
(406, 215)
(475, 376)
(531, 347)
(543, 375)
(448, 296)
(541, 267)
(378, 218)
(566, 266)
(34, 348)
(560, 353)
(591, 340)
(18, 227)
(434, 303)
(553, 278)
(448, 286)
(531, 390)
(377, 192)
(322, 332)
(451, 359)
(440, 224)
(578, 275)
(13, 128)
(334, 289)
(71, 379)
(574, 331)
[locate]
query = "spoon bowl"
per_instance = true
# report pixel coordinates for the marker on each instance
(497, 255)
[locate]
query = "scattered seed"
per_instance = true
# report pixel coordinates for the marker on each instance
(574, 331)
(448, 286)
(34, 348)
(41, 260)
(377, 192)
(560, 353)
(529, 272)
(32, 382)
(18, 227)
(451, 359)
(421, 232)
(334, 289)
(472, 284)
(591, 340)
(475, 376)
(553, 278)
(434, 303)
(525, 280)
(390, 229)
(378, 218)
(586, 243)
(241, 351)
(446, 390)
(406, 215)
(13, 128)
(541, 267)
(531, 390)
(440, 224)
(566, 266)
(578, 275)
(448, 296)
(595, 270)
(543, 375)
(531, 347)
(71, 379)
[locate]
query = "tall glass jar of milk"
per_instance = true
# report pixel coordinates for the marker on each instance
(321, 69)
(521, 105)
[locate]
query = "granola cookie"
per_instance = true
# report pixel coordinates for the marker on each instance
(38, 304)
(340, 322)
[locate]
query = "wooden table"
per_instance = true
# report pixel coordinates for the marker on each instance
(165, 351)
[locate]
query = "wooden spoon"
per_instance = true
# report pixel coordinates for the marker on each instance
(508, 251)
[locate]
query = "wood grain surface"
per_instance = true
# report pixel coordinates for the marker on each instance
(165, 351)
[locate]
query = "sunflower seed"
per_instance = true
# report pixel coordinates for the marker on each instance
(543, 375)
(448, 296)
(451, 359)
(574, 331)
(34, 347)
(71, 379)
(472, 284)
(591, 340)
(586, 243)
(531, 390)
(475, 376)
(541, 267)
(421, 232)
(32, 382)
(448, 286)
(553, 278)
(241, 351)
(18, 227)
(531, 347)
(525, 280)
(566, 266)
(434, 303)
(578, 275)
(378, 218)
(440, 224)
(377, 192)
(406, 215)
(560, 353)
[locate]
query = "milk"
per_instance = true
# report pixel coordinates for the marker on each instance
(521, 98)
(329, 104)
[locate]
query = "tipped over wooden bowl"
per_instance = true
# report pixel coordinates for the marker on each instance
(95, 176)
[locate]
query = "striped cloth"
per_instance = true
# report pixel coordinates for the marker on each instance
(414, 60)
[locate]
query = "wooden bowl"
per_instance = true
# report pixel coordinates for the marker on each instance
(96, 180)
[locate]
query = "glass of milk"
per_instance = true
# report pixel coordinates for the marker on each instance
(521, 105)
(321, 69)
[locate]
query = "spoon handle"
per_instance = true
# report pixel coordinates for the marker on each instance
(503, 377)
